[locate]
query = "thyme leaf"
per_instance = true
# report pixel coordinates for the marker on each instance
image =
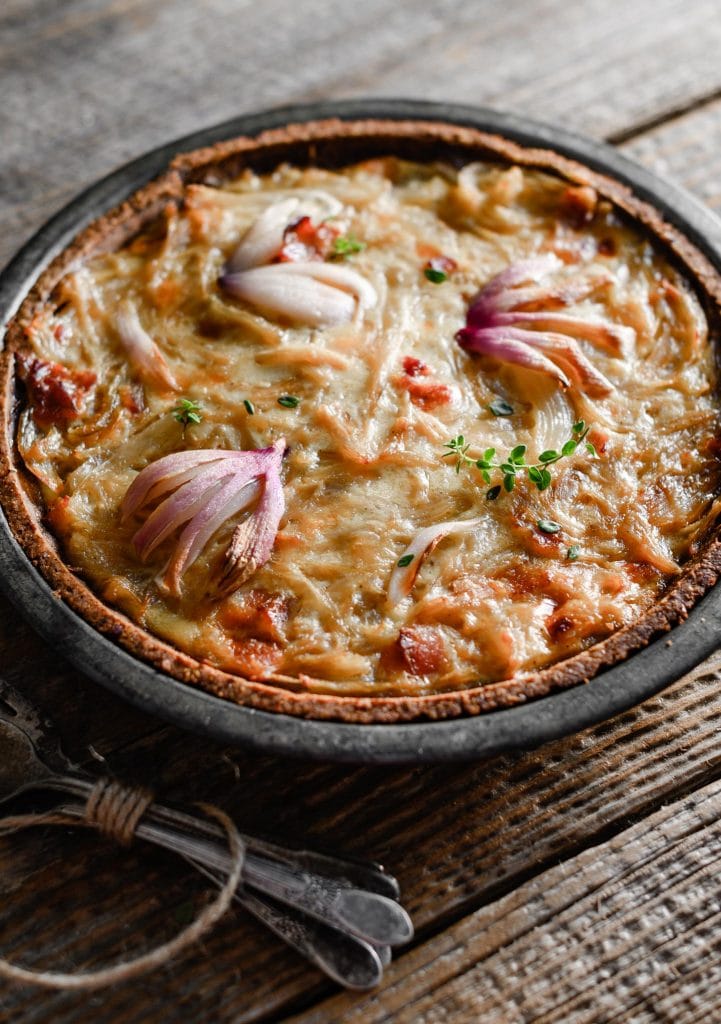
(435, 276)
(187, 411)
(500, 407)
(548, 526)
(347, 245)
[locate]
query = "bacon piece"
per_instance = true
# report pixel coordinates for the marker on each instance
(303, 240)
(578, 204)
(415, 367)
(428, 394)
(421, 649)
(257, 659)
(258, 614)
(57, 394)
(558, 626)
(607, 247)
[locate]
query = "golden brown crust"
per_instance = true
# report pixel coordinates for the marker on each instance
(330, 142)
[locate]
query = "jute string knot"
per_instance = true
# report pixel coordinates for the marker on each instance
(115, 811)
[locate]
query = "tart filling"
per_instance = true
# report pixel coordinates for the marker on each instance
(397, 429)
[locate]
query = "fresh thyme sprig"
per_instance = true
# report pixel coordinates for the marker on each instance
(515, 462)
(187, 411)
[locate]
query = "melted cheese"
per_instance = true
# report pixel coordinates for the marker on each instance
(365, 470)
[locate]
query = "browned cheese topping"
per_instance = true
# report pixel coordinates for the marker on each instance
(346, 331)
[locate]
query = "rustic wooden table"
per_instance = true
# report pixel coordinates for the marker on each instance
(575, 883)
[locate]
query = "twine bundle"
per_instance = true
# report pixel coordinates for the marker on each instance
(115, 811)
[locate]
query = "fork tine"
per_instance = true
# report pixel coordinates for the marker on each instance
(16, 708)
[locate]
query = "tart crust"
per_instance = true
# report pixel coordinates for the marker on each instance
(332, 143)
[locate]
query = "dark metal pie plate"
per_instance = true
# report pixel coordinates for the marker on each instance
(525, 725)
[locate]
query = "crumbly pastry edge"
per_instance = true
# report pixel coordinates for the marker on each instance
(224, 161)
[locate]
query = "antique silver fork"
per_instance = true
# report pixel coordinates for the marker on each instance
(342, 915)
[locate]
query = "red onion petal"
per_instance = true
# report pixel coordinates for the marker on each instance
(614, 338)
(532, 269)
(230, 499)
(503, 343)
(403, 577)
(162, 472)
(486, 302)
(143, 353)
(264, 237)
(210, 487)
(252, 542)
(568, 352)
(297, 297)
(182, 505)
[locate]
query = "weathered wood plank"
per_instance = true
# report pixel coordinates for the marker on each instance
(456, 836)
(120, 76)
(687, 149)
(87, 715)
(611, 934)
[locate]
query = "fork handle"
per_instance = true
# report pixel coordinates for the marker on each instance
(345, 958)
(368, 915)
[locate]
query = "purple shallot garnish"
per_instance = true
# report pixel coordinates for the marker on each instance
(540, 340)
(200, 491)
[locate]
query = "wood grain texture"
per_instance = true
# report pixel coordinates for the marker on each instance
(456, 836)
(118, 77)
(621, 932)
(688, 149)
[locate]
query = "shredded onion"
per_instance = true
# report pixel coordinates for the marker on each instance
(553, 415)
